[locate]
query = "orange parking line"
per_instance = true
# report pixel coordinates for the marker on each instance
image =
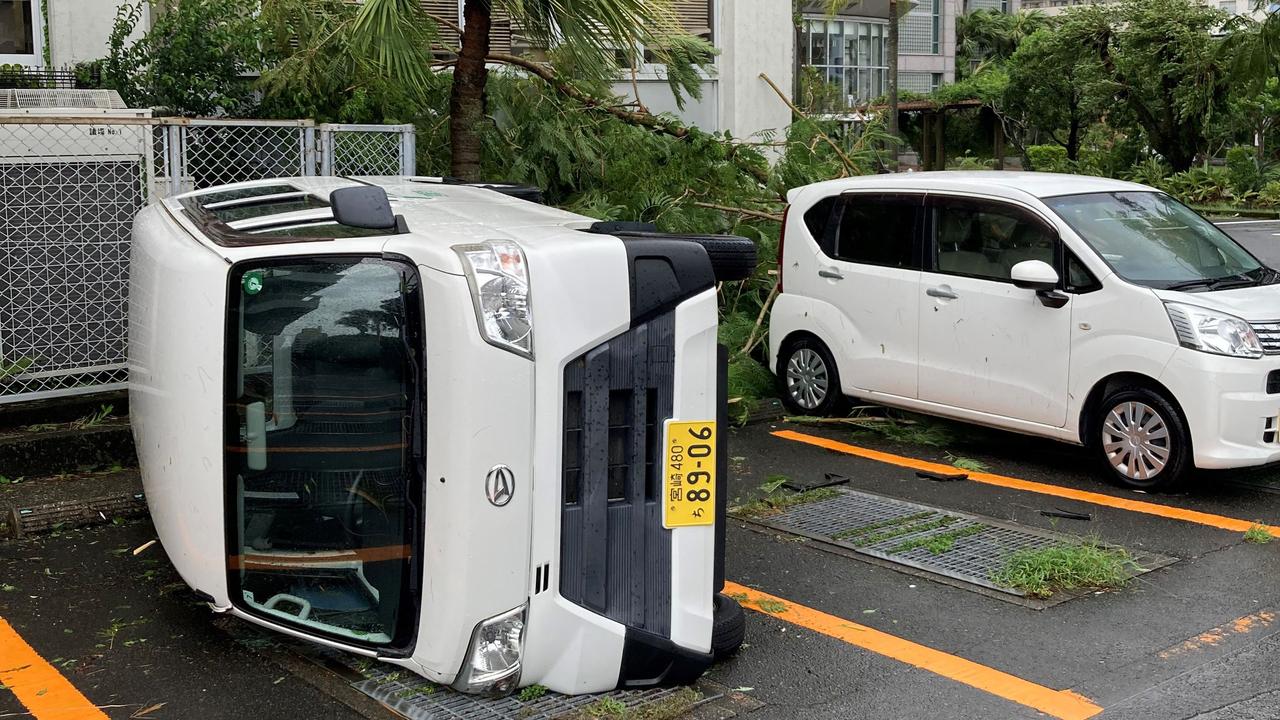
(1062, 704)
(1165, 511)
(38, 686)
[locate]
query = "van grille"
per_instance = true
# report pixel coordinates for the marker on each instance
(615, 556)
(1269, 336)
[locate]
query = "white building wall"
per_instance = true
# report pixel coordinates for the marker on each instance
(79, 29)
(755, 37)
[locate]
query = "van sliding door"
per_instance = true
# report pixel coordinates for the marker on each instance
(323, 444)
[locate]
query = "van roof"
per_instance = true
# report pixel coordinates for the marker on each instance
(984, 182)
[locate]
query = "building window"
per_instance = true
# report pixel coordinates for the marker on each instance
(849, 56)
(921, 30)
(21, 35)
(1001, 5)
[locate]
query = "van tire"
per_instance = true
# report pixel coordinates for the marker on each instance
(807, 351)
(728, 627)
(1141, 411)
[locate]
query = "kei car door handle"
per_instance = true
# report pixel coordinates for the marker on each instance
(831, 274)
(942, 291)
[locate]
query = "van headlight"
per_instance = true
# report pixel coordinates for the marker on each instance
(492, 666)
(1213, 332)
(499, 281)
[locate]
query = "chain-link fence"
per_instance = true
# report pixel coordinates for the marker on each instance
(69, 190)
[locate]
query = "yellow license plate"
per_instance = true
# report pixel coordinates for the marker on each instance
(689, 484)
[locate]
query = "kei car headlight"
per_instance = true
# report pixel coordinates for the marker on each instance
(492, 666)
(1213, 332)
(499, 281)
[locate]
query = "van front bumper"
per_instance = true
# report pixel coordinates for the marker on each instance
(1234, 421)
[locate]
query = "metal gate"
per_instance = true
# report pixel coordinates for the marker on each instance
(69, 190)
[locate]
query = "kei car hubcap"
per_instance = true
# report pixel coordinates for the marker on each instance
(1136, 440)
(807, 378)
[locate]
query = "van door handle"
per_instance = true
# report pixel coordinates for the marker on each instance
(942, 291)
(831, 274)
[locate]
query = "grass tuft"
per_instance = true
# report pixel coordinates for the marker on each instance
(968, 464)
(531, 693)
(1258, 534)
(772, 607)
(1066, 566)
(777, 502)
(941, 543)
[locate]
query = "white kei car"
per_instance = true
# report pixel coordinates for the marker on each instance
(1087, 310)
(438, 425)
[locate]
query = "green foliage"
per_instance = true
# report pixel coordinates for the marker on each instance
(1199, 186)
(1066, 566)
(1151, 172)
(531, 693)
(16, 367)
(1054, 86)
(323, 69)
(1258, 534)
(1242, 170)
(1269, 196)
(1048, 158)
(192, 61)
(986, 37)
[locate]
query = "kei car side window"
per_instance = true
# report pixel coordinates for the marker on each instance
(877, 229)
(985, 240)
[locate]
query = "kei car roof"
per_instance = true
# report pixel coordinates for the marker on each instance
(990, 183)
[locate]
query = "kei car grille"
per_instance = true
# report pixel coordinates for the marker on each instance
(615, 556)
(1269, 336)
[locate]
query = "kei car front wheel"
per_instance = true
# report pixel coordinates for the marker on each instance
(1142, 439)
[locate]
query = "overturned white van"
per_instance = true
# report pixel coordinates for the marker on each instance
(439, 425)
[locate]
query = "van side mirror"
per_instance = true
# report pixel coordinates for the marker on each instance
(363, 206)
(1035, 275)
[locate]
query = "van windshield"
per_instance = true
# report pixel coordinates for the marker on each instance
(323, 430)
(1150, 239)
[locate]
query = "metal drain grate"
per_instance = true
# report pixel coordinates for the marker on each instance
(954, 545)
(416, 698)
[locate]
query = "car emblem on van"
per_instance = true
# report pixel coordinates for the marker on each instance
(500, 485)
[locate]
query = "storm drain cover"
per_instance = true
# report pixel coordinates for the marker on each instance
(416, 698)
(967, 548)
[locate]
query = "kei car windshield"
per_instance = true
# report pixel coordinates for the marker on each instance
(1150, 239)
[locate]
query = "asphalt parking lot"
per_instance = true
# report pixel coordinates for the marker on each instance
(830, 634)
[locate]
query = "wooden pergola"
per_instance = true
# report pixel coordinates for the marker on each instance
(933, 150)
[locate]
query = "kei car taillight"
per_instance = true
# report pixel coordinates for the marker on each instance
(782, 235)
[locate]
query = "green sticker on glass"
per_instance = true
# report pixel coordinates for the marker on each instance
(252, 283)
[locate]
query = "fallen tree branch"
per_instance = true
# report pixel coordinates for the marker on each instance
(755, 337)
(740, 211)
(850, 167)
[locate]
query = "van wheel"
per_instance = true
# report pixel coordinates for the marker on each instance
(1141, 439)
(810, 381)
(728, 627)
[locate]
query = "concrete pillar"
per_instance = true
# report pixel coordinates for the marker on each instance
(754, 37)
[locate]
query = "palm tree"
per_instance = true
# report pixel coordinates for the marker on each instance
(984, 36)
(588, 36)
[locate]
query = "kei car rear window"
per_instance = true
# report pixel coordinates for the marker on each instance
(878, 229)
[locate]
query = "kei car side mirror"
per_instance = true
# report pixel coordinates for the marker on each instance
(1034, 275)
(1040, 276)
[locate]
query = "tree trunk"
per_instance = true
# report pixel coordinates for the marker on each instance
(891, 53)
(467, 98)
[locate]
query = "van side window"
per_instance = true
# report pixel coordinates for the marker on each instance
(985, 240)
(817, 217)
(878, 230)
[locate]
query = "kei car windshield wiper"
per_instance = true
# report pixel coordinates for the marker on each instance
(1227, 281)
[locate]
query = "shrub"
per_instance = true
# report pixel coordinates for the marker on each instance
(1242, 170)
(1269, 196)
(1048, 158)
(1151, 172)
(1199, 186)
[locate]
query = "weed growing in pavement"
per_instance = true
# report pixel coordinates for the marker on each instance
(774, 483)
(424, 689)
(776, 502)
(1258, 534)
(901, 530)
(852, 533)
(941, 543)
(94, 419)
(531, 693)
(1066, 566)
(606, 707)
